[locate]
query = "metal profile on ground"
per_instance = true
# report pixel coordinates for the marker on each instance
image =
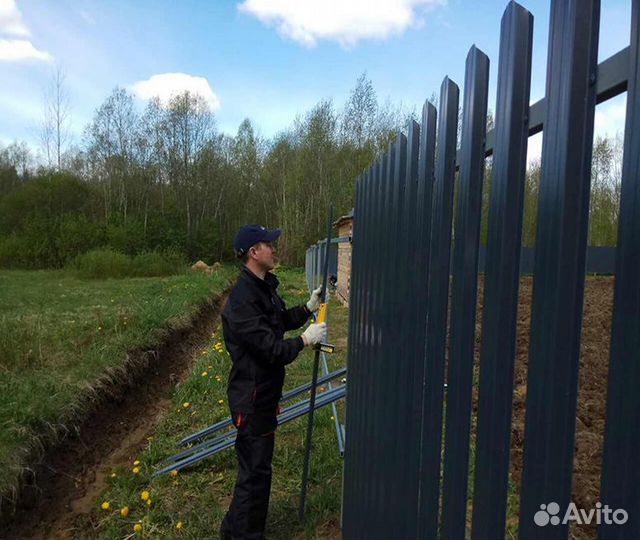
(293, 409)
(228, 439)
(294, 392)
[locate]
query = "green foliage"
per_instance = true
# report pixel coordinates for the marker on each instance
(164, 178)
(102, 264)
(107, 263)
(153, 263)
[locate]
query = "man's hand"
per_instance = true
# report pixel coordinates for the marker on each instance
(314, 302)
(315, 334)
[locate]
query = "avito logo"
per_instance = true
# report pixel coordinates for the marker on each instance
(549, 514)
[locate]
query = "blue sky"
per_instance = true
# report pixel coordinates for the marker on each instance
(262, 59)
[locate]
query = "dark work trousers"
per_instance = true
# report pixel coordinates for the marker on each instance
(247, 514)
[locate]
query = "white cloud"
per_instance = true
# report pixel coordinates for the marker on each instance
(344, 21)
(11, 19)
(610, 116)
(167, 85)
(18, 50)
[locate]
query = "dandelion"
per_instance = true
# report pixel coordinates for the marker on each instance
(204, 374)
(221, 401)
(124, 512)
(148, 502)
(186, 404)
(99, 327)
(179, 525)
(332, 418)
(136, 462)
(137, 528)
(113, 475)
(144, 495)
(105, 505)
(135, 470)
(173, 473)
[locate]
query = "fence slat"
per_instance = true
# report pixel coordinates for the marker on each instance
(408, 432)
(374, 360)
(463, 298)
(502, 276)
(392, 316)
(620, 471)
(437, 311)
(369, 399)
(561, 240)
(350, 483)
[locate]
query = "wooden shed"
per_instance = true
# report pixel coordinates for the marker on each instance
(344, 224)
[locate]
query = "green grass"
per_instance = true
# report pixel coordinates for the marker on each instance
(59, 334)
(199, 497)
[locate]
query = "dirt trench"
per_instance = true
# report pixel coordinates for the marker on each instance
(64, 485)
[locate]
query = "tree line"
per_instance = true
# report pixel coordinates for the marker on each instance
(165, 178)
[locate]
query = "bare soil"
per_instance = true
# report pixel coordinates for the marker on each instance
(63, 487)
(592, 391)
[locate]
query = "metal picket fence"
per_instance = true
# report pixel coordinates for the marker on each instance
(314, 257)
(406, 471)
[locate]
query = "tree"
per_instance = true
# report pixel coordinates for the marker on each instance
(54, 135)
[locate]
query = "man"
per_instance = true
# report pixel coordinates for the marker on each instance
(254, 321)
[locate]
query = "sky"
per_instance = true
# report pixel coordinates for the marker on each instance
(266, 60)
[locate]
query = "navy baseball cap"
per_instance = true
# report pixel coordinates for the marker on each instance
(250, 235)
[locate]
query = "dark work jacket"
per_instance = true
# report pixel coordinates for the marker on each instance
(254, 321)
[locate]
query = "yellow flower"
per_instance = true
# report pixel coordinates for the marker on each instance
(105, 505)
(136, 462)
(221, 401)
(204, 374)
(144, 495)
(179, 525)
(173, 473)
(148, 502)
(332, 418)
(113, 475)
(124, 512)
(186, 404)
(135, 470)
(137, 528)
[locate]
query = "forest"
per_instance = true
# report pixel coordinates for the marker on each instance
(163, 178)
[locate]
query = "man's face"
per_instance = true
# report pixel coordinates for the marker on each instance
(264, 254)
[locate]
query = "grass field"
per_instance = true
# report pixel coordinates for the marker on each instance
(60, 337)
(192, 504)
